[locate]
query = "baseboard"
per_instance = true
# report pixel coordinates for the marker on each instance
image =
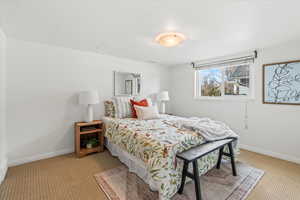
(39, 157)
(3, 169)
(270, 153)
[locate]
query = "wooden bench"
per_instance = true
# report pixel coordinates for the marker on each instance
(193, 154)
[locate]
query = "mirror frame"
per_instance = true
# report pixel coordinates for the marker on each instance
(124, 72)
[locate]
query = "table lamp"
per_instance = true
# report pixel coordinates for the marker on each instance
(163, 97)
(89, 98)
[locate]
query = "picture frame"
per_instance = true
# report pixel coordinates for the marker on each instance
(281, 83)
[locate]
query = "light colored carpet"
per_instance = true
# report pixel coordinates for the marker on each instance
(120, 184)
(67, 177)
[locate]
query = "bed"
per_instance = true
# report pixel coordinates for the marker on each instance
(149, 148)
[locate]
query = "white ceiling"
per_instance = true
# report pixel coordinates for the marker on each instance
(128, 28)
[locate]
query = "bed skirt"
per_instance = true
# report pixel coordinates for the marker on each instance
(134, 165)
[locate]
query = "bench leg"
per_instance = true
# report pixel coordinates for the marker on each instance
(220, 157)
(197, 180)
(232, 159)
(184, 172)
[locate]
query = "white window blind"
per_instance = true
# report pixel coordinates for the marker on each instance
(243, 59)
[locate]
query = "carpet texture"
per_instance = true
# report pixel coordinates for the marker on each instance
(120, 184)
(69, 178)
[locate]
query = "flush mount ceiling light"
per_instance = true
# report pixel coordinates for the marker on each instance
(170, 39)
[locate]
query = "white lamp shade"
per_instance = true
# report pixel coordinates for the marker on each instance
(88, 97)
(163, 96)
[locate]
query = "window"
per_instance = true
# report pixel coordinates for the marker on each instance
(232, 81)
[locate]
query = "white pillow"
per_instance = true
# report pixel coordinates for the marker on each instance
(149, 112)
(123, 107)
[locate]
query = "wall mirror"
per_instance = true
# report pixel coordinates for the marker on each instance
(127, 84)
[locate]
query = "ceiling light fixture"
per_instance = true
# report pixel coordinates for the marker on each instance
(170, 39)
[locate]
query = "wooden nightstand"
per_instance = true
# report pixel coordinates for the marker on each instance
(85, 131)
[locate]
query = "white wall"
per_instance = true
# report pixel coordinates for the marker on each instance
(272, 129)
(43, 80)
(42, 83)
(3, 158)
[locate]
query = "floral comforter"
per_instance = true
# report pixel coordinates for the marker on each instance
(156, 143)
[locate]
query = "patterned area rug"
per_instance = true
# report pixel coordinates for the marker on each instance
(120, 184)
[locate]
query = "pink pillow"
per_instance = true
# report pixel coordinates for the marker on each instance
(143, 113)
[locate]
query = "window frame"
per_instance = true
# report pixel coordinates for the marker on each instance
(250, 96)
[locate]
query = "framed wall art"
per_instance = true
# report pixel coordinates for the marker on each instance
(281, 83)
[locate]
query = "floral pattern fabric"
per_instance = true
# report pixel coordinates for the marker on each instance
(109, 109)
(156, 143)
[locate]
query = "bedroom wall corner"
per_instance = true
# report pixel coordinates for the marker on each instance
(3, 157)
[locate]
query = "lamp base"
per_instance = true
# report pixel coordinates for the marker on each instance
(89, 116)
(163, 107)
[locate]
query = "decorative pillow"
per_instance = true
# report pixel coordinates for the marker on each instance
(123, 107)
(109, 108)
(143, 102)
(150, 112)
(139, 98)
